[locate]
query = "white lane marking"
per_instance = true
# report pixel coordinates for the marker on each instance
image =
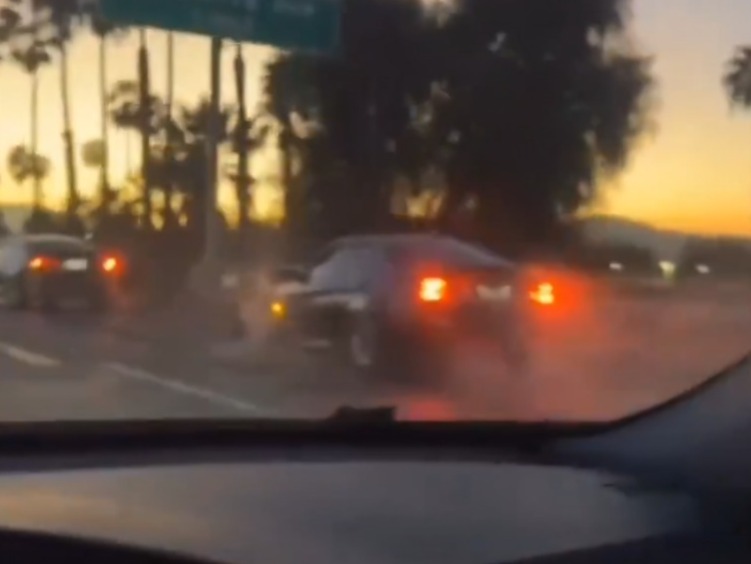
(28, 357)
(180, 387)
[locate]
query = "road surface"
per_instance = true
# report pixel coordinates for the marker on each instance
(601, 363)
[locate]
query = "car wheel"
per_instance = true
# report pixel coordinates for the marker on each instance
(362, 344)
(15, 296)
(373, 350)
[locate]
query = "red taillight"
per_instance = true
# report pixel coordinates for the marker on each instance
(543, 294)
(44, 264)
(433, 289)
(109, 264)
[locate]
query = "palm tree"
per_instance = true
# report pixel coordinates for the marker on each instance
(171, 134)
(25, 164)
(9, 22)
(241, 143)
(92, 153)
(124, 115)
(288, 87)
(196, 121)
(104, 30)
(189, 172)
(124, 109)
(737, 78)
(145, 131)
(62, 15)
(32, 59)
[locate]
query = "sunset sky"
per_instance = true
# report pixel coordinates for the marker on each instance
(694, 173)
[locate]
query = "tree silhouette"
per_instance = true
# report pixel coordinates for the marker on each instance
(105, 31)
(523, 104)
(32, 56)
(737, 78)
(23, 164)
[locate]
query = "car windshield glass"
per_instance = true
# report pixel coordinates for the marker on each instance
(205, 218)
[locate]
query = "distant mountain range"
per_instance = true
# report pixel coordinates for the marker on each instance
(666, 244)
(600, 229)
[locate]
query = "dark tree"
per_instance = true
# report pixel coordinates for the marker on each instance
(524, 105)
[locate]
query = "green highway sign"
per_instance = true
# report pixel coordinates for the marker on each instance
(305, 25)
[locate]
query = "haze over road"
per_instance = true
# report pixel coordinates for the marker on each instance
(607, 360)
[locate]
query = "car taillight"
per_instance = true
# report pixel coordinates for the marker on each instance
(433, 289)
(44, 264)
(110, 264)
(543, 294)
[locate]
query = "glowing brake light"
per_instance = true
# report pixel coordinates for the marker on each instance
(433, 289)
(544, 294)
(43, 263)
(109, 264)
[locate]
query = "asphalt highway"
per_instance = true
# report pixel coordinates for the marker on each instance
(597, 363)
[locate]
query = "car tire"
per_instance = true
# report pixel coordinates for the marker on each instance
(16, 296)
(362, 344)
(374, 350)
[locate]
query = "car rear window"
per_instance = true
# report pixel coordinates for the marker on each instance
(455, 253)
(55, 246)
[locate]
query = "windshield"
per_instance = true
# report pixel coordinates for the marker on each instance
(582, 165)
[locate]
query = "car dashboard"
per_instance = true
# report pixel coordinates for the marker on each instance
(365, 512)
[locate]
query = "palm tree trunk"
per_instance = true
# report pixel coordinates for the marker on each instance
(128, 155)
(168, 153)
(105, 195)
(242, 182)
(291, 211)
(34, 139)
(70, 158)
(145, 95)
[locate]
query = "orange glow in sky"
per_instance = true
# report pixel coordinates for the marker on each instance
(694, 173)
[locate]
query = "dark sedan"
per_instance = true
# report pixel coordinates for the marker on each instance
(46, 271)
(388, 301)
